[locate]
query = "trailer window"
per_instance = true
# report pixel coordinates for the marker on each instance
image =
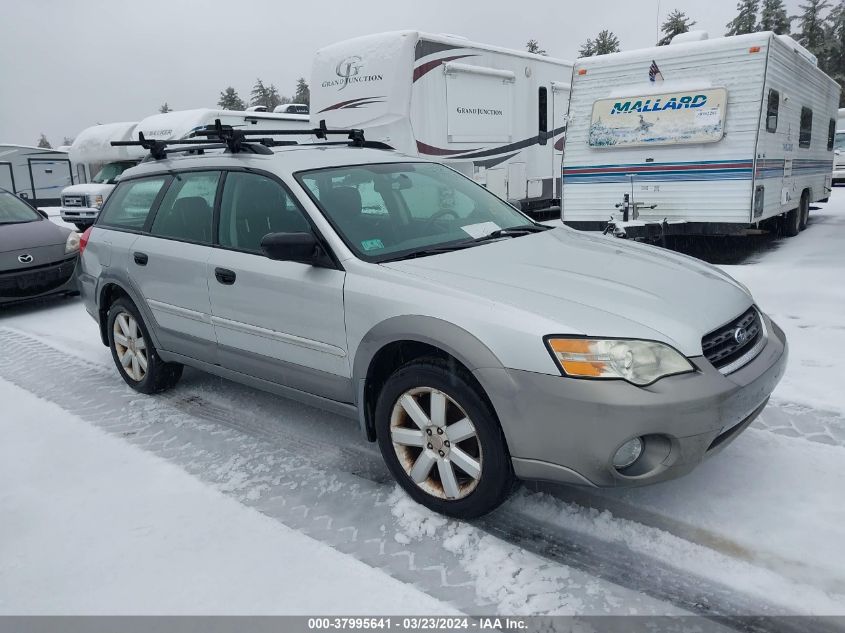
(806, 133)
(543, 116)
(772, 111)
(831, 134)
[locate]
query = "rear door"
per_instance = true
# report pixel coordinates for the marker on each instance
(276, 320)
(169, 265)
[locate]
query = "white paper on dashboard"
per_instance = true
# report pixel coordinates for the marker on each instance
(481, 229)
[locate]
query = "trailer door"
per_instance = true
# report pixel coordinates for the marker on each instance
(49, 176)
(560, 109)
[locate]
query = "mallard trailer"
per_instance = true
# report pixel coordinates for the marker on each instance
(497, 115)
(699, 137)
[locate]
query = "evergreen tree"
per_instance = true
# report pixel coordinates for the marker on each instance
(67, 140)
(746, 19)
(812, 26)
(267, 96)
(303, 93)
(533, 46)
(773, 17)
(676, 23)
(588, 49)
(606, 42)
(164, 109)
(43, 142)
(229, 100)
(835, 55)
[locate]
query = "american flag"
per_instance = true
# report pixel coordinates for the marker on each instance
(654, 73)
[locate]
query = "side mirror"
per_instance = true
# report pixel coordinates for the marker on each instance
(291, 247)
(43, 214)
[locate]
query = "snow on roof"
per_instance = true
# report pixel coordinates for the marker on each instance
(33, 147)
(92, 145)
(181, 123)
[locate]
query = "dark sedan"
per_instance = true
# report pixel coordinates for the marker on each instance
(37, 257)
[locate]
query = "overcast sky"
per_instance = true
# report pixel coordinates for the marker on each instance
(68, 64)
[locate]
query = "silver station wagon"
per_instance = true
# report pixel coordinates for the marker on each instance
(473, 344)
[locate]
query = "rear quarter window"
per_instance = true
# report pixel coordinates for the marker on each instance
(130, 203)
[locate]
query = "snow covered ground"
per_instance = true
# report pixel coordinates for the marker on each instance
(758, 529)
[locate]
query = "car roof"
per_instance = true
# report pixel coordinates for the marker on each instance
(287, 159)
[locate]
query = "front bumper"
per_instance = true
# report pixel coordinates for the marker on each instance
(839, 173)
(79, 214)
(567, 430)
(28, 284)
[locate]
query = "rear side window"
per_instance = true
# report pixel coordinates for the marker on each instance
(187, 209)
(130, 203)
(831, 134)
(772, 111)
(806, 133)
(253, 206)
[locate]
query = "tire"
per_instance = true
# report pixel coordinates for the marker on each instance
(124, 320)
(792, 223)
(472, 439)
(804, 211)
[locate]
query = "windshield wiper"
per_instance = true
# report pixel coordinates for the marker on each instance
(513, 231)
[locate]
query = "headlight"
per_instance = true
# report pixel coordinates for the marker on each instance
(638, 362)
(72, 244)
(95, 201)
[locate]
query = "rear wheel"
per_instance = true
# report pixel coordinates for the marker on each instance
(441, 440)
(133, 352)
(792, 223)
(804, 210)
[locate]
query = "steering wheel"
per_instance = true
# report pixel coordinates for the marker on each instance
(441, 214)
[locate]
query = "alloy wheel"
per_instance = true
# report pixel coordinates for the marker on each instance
(130, 346)
(436, 443)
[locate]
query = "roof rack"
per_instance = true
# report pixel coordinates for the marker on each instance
(219, 136)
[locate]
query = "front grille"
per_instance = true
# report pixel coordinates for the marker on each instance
(31, 282)
(73, 201)
(727, 345)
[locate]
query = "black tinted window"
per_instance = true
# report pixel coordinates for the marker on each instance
(831, 134)
(129, 204)
(772, 111)
(186, 211)
(253, 206)
(806, 133)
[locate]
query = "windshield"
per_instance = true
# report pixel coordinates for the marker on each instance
(15, 211)
(839, 141)
(109, 173)
(388, 210)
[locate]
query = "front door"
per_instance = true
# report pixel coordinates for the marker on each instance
(169, 265)
(560, 109)
(276, 320)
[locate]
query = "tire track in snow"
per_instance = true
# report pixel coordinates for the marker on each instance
(339, 495)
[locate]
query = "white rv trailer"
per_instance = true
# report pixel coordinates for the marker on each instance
(93, 152)
(35, 173)
(699, 137)
(495, 114)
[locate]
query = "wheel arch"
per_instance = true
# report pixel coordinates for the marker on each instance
(397, 340)
(110, 291)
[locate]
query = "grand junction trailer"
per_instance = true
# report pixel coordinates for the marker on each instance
(699, 137)
(496, 115)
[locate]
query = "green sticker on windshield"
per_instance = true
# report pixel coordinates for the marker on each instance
(372, 245)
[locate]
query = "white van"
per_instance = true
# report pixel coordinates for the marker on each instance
(495, 114)
(35, 174)
(699, 137)
(102, 163)
(839, 149)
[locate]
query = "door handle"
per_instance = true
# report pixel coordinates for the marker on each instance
(225, 276)
(140, 258)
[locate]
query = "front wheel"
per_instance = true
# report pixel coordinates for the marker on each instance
(442, 441)
(133, 351)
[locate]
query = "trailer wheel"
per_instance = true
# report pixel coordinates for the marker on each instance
(804, 210)
(792, 223)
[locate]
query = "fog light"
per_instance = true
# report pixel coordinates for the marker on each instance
(628, 453)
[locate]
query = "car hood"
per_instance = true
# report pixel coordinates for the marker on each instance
(88, 189)
(592, 285)
(19, 237)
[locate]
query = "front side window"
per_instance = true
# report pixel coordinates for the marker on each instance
(15, 211)
(253, 206)
(187, 209)
(110, 171)
(772, 111)
(129, 205)
(805, 136)
(425, 206)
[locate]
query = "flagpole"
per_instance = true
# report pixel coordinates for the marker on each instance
(657, 24)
